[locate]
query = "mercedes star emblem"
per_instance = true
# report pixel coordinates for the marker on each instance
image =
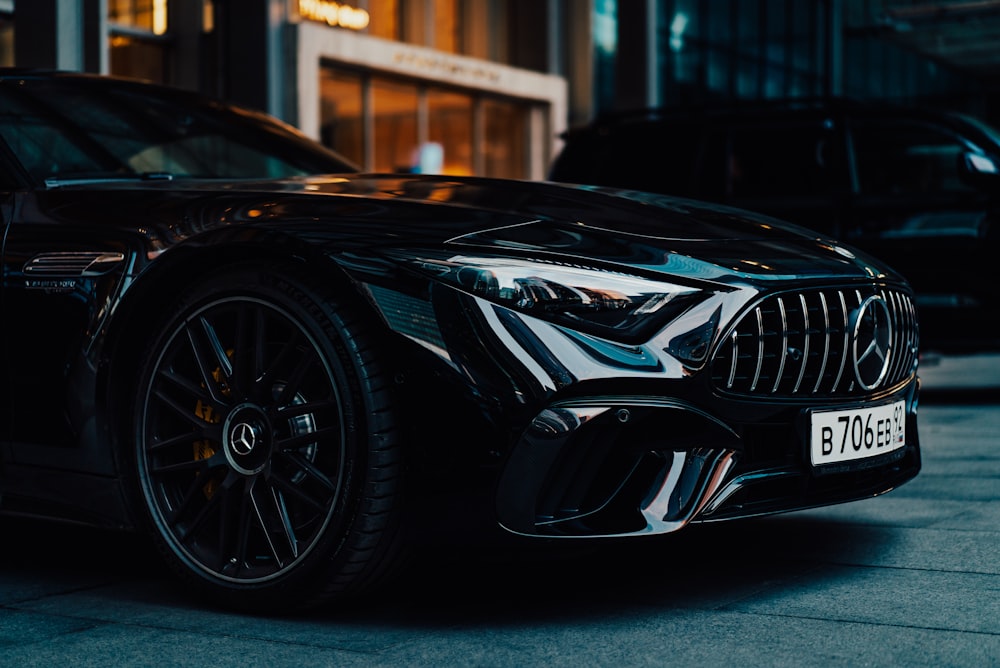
(872, 342)
(243, 438)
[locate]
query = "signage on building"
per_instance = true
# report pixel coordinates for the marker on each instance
(334, 14)
(451, 67)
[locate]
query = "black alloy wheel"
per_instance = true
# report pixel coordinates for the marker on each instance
(265, 453)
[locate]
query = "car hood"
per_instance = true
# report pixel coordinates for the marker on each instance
(395, 212)
(641, 230)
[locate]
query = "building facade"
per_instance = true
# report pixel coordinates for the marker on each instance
(448, 86)
(663, 52)
(485, 87)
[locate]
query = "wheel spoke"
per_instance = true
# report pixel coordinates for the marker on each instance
(194, 491)
(182, 439)
(203, 428)
(179, 467)
(290, 489)
(198, 392)
(271, 372)
(302, 440)
(242, 537)
(189, 530)
(206, 368)
(310, 469)
(306, 362)
(281, 510)
(260, 501)
(211, 347)
(297, 410)
(249, 349)
(260, 346)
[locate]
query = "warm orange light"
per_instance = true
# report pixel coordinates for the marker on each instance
(159, 17)
(208, 16)
(334, 14)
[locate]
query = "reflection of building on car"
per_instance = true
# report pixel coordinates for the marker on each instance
(283, 375)
(918, 189)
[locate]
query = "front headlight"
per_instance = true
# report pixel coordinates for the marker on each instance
(615, 305)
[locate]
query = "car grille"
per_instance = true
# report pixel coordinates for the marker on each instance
(801, 344)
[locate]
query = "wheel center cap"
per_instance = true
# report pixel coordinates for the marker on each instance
(247, 439)
(244, 437)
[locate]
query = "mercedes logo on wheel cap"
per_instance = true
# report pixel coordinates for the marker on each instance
(248, 442)
(243, 438)
(872, 342)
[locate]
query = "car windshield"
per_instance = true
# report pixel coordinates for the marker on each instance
(63, 129)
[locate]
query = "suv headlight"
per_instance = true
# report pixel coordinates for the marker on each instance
(614, 305)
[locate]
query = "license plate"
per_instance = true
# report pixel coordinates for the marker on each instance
(856, 433)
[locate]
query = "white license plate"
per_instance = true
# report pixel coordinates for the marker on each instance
(856, 433)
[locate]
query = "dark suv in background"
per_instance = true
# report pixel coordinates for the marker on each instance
(917, 188)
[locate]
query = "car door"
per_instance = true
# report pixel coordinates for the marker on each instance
(62, 274)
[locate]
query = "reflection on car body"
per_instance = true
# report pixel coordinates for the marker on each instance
(283, 371)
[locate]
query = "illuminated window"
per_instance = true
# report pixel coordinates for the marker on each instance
(433, 23)
(138, 46)
(138, 59)
(490, 29)
(208, 16)
(384, 20)
(341, 113)
(388, 124)
(6, 41)
(450, 126)
(447, 19)
(505, 139)
(396, 112)
(148, 15)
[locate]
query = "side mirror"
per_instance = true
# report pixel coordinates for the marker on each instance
(979, 170)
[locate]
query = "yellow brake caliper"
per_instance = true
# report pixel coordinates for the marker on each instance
(204, 449)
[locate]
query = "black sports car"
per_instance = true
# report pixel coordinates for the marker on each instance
(283, 372)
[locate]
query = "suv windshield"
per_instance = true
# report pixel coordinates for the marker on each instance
(63, 129)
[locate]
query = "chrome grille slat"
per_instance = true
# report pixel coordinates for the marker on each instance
(760, 349)
(805, 346)
(826, 342)
(766, 353)
(897, 335)
(736, 356)
(784, 344)
(845, 347)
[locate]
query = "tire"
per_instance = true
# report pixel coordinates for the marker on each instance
(265, 458)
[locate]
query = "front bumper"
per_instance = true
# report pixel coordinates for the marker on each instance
(630, 466)
(708, 420)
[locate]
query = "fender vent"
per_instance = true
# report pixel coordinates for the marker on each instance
(72, 264)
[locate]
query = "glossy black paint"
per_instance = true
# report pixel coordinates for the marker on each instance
(472, 377)
(64, 366)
